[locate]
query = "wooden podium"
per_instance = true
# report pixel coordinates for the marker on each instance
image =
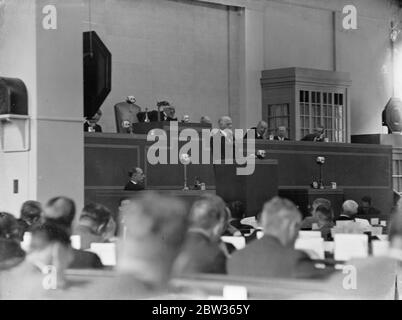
(253, 190)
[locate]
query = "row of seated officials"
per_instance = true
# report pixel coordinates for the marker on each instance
(158, 238)
(129, 113)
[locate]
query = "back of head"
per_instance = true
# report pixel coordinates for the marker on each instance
(209, 214)
(48, 233)
(324, 214)
(9, 228)
(280, 218)
(350, 208)
(155, 230)
(96, 213)
(60, 211)
(237, 210)
(31, 211)
(321, 202)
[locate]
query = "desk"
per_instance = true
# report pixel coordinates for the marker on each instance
(358, 169)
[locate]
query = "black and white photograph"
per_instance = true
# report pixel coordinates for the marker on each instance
(200, 155)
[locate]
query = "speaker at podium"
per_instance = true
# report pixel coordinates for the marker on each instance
(253, 190)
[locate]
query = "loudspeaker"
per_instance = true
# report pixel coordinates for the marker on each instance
(97, 73)
(13, 97)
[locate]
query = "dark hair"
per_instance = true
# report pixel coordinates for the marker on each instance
(367, 199)
(325, 212)
(31, 211)
(67, 217)
(97, 213)
(9, 227)
(53, 232)
(237, 209)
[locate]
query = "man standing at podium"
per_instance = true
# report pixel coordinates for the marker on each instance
(223, 137)
(126, 114)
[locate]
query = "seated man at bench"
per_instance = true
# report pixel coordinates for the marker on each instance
(274, 255)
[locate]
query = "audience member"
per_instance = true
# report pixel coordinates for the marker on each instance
(308, 222)
(11, 253)
(96, 225)
(274, 255)
(60, 211)
(91, 124)
(237, 211)
(202, 252)
(349, 211)
(137, 180)
(366, 207)
(154, 237)
(282, 134)
(325, 221)
(30, 213)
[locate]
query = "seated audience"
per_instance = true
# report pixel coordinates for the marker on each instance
(155, 234)
(317, 136)
(202, 251)
(31, 212)
(260, 131)
(282, 134)
(91, 124)
(308, 222)
(274, 255)
(324, 221)
(366, 207)
(11, 253)
(96, 225)
(60, 211)
(349, 211)
(137, 180)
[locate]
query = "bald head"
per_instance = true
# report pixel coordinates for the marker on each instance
(280, 218)
(262, 127)
(350, 208)
(225, 122)
(205, 120)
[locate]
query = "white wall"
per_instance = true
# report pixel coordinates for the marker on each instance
(173, 50)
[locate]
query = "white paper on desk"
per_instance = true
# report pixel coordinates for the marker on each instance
(363, 224)
(260, 235)
(350, 227)
(384, 223)
(374, 221)
(76, 242)
(382, 237)
(106, 252)
(376, 231)
(238, 242)
(380, 248)
(314, 247)
(26, 242)
(348, 246)
(235, 293)
(310, 234)
(251, 221)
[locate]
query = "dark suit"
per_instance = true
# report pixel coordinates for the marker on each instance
(268, 258)
(96, 127)
(313, 137)
(256, 136)
(344, 218)
(85, 260)
(369, 211)
(201, 255)
(10, 254)
(130, 186)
